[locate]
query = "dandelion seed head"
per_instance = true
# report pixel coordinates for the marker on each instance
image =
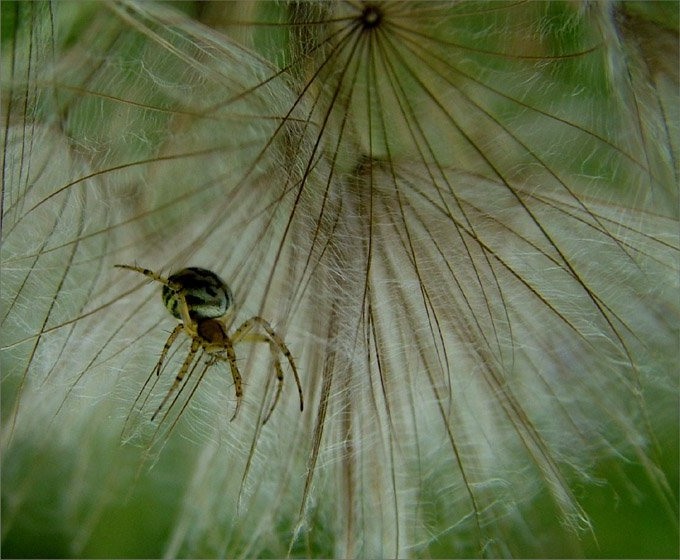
(462, 219)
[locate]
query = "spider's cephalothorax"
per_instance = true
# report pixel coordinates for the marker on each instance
(200, 299)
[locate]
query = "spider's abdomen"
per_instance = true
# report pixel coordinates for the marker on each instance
(206, 294)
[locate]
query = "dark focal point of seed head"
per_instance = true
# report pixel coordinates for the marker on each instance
(371, 16)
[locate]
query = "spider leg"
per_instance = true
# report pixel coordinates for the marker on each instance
(168, 344)
(195, 345)
(235, 374)
(275, 342)
(256, 337)
(279, 386)
(145, 393)
(215, 341)
(176, 287)
(145, 271)
(187, 400)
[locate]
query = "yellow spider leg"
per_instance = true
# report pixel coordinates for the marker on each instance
(243, 332)
(145, 271)
(279, 387)
(158, 278)
(255, 337)
(189, 324)
(206, 366)
(156, 370)
(183, 308)
(171, 339)
(195, 345)
(235, 374)
(215, 341)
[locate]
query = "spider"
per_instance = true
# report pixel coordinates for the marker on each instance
(203, 303)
